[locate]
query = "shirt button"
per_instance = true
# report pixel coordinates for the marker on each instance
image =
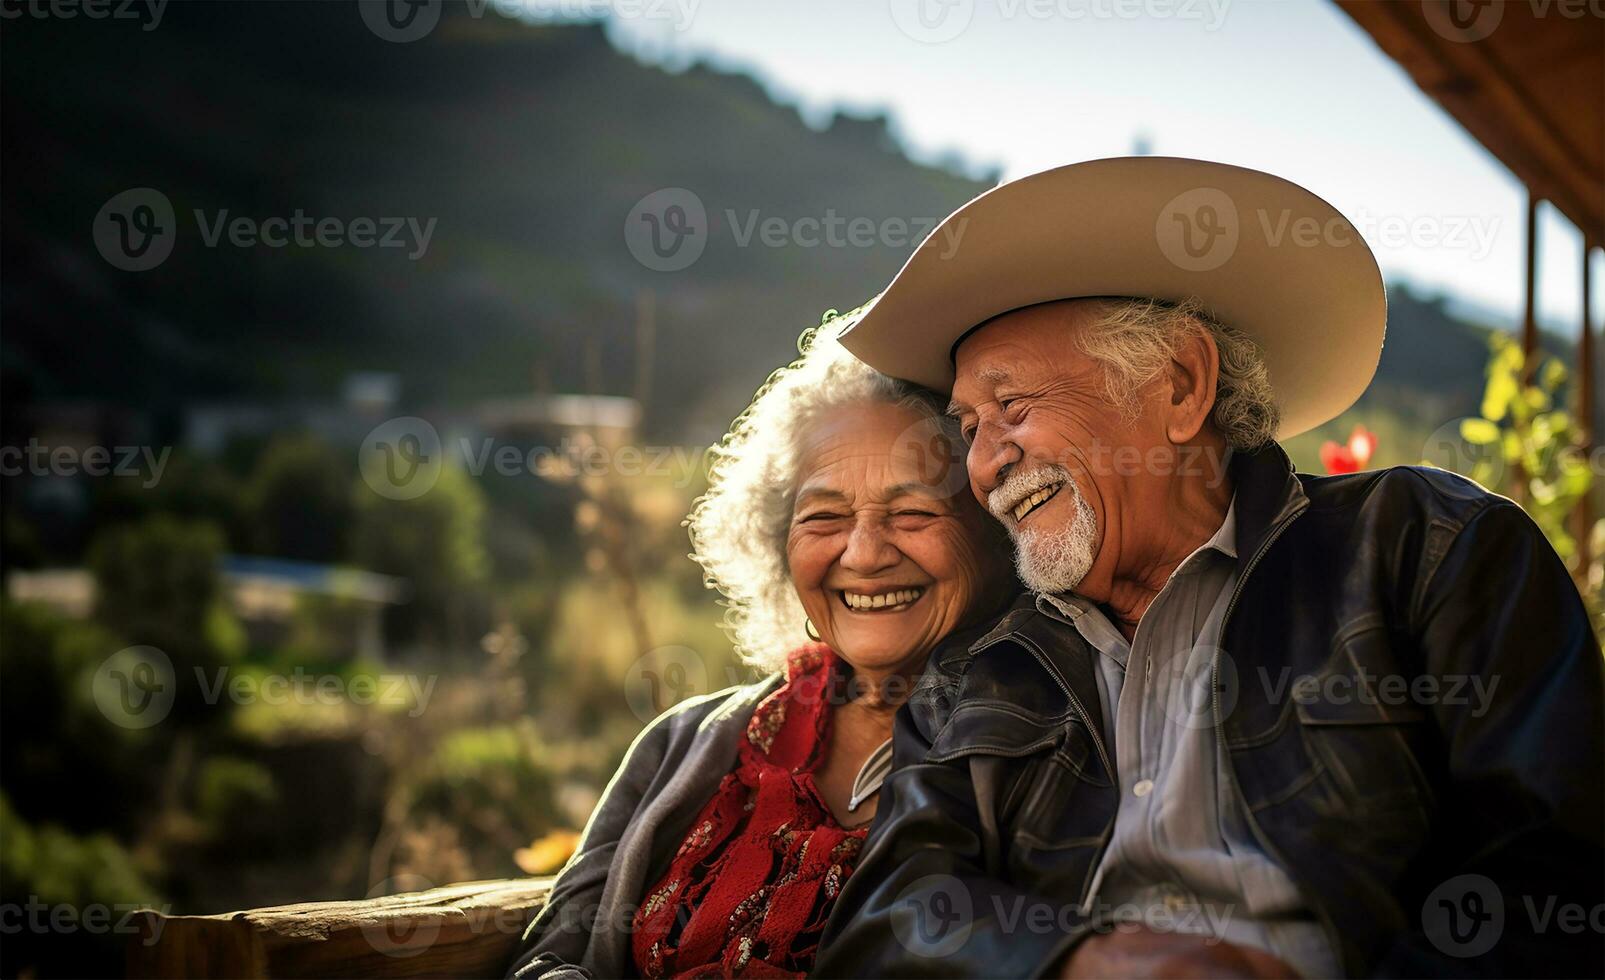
(1144, 787)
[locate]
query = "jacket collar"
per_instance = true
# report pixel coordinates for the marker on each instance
(1269, 493)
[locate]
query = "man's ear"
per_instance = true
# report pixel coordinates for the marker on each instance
(1194, 372)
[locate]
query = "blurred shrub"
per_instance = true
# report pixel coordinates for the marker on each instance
(299, 500)
(323, 630)
(61, 868)
(436, 542)
(494, 780)
(1528, 447)
(68, 898)
(1534, 452)
(57, 741)
(226, 786)
(192, 487)
(157, 582)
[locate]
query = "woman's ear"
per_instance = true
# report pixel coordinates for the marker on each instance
(1194, 372)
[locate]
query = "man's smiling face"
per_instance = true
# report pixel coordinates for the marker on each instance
(1041, 427)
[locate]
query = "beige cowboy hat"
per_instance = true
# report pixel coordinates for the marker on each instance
(1261, 253)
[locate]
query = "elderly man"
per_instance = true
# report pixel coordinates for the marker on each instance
(1243, 722)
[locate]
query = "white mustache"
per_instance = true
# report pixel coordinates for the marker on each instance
(1021, 484)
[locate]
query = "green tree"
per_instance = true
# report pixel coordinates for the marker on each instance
(435, 542)
(157, 582)
(299, 500)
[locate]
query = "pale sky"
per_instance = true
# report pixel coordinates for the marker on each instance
(1292, 87)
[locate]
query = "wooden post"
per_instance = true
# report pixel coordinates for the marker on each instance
(1529, 318)
(1529, 329)
(1583, 516)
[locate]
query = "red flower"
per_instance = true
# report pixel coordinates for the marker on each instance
(1338, 458)
(1349, 457)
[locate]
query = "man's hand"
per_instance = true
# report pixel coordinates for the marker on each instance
(1135, 951)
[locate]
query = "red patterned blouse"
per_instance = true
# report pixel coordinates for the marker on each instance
(752, 885)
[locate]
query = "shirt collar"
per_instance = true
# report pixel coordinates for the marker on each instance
(1225, 538)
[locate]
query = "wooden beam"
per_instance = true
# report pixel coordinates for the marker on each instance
(468, 930)
(1503, 107)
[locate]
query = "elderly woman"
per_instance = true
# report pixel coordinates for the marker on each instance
(847, 550)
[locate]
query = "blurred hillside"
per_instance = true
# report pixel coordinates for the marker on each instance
(529, 144)
(494, 128)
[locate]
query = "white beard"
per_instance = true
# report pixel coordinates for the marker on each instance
(1056, 559)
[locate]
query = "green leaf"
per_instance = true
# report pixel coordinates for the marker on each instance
(1479, 432)
(1575, 475)
(1511, 447)
(1496, 398)
(1553, 375)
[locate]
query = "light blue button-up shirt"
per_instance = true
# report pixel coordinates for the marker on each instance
(1182, 856)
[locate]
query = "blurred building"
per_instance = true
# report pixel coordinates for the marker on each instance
(269, 596)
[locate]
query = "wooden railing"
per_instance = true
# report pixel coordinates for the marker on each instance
(467, 930)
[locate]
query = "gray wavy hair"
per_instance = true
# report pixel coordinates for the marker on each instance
(1136, 339)
(740, 525)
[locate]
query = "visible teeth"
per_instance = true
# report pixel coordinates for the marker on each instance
(1024, 507)
(885, 600)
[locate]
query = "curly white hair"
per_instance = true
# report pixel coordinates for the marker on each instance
(740, 525)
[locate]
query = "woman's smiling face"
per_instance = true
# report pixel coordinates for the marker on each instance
(887, 563)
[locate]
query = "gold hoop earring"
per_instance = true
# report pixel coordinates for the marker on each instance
(812, 631)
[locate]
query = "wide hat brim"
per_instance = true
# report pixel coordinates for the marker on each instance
(1261, 254)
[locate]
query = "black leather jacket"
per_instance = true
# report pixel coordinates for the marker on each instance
(1420, 828)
